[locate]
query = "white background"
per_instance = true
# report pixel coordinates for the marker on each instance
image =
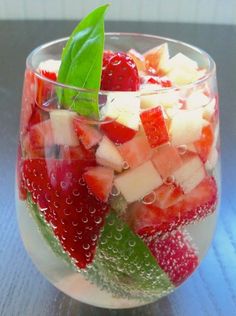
(198, 11)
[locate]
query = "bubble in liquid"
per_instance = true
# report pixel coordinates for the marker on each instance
(182, 149)
(169, 180)
(82, 182)
(125, 165)
(131, 243)
(63, 184)
(149, 198)
(85, 219)
(118, 236)
(67, 212)
(86, 246)
(69, 201)
(75, 224)
(94, 237)
(76, 192)
(98, 220)
(115, 191)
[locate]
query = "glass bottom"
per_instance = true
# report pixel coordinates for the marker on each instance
(63, 277)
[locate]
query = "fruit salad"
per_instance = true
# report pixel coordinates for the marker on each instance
(115, 189)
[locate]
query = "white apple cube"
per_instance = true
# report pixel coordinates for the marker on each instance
(150, 99)
(136, 183)
(182, 69)
(108, 155)
(124, 107)
(182, 61)
(209, 109)
(186, 127)
(50, 65)
(191, 173)
(62, 127)
(197, 99)
(212, 159)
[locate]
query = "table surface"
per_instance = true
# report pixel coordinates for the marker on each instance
(23, 290)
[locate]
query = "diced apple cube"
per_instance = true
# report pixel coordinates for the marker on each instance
(166, 159)
(186, 127)
(191, 173)
(136, 151)
(108, 155)
(62, 127)
(152, 99)
(212, 159)
(197, 99)
(134, 184)
(124, 107)
(209, 109)
(182, 61)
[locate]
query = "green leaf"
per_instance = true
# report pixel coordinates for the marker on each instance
(47, 231)
(81, 64)
(125, 266)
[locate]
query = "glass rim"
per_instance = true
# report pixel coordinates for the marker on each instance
(211, 70)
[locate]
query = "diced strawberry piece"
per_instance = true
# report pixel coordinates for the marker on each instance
(27, 101)
(75, 216)
(138, 59)
(197, 204)
(168, 195)
(76, 153)
(20, 180)
(120, 74)
(136, 151)
(44, 88)
(155, 127)
(175, 255)
(99, 181)
(164, 82)
(117, 132)
(204, 144)
(88, 135)
(156, 59)
(38, 139)
(107, 54)
(166, 159)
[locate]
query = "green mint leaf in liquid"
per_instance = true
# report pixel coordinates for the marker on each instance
(81, 65)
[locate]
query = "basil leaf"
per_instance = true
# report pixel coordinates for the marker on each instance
(81, 64)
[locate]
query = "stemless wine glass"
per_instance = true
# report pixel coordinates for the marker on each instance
(118, 209)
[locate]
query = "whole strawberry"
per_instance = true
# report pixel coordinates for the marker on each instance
(120, 74)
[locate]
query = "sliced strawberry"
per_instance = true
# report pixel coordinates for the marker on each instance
(195, 205)
(155, 127)
(138, 59)
(117, 132)
(175, 255)
(88, 135)
(136, 151)
(20, 180)
(75, 216)
(204, 144)
(99, 181)
(166, 159)
(120, 74)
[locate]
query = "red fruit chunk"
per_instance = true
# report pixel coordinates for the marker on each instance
(117, 132)
(166, 159)
(76, 153)
(20, 181)
(155, 127)
(195, 205)
(135, 151)
(107, 54)
(168, 195)
(175, 255)
(204, 144)
(138, 59)
(162, 81)
(120, 74)
(99, 181)
(44, 88)
(88, 135)
(75, 216)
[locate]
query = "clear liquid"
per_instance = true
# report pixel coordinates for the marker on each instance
(73, 283)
